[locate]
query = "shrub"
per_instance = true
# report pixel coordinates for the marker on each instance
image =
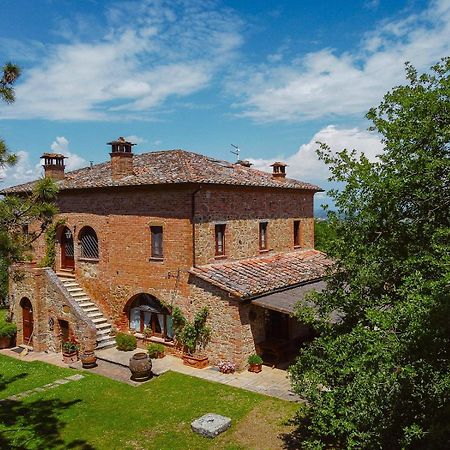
(7, 329)
(126, 342)
(254, 359)
(155, 350)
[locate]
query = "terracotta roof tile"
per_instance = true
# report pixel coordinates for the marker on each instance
(255, 276)
(169, 167)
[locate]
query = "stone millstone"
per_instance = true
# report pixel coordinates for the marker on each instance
(211, 425)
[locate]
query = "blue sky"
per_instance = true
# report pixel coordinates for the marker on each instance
(270, 76)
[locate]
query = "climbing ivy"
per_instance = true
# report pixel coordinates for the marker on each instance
(50, 250)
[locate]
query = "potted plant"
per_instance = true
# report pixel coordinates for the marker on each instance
(70, 352)
(193, 336)
(155, 350)
(255, 363)
(148, 332)
(226, 367)
(7, 333)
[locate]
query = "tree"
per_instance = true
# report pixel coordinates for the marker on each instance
(324, 235)
(22, 218)
(380, 378)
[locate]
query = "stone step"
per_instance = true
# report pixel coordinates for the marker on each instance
(66, 275)
(106, 344)
(79, 293)
(104, 332)
(98, 320)
(103, 325)
(105, 337)
(91, 309)
(86, 304)
(70, 284)
(74, 289)
(95, 315)
(82, 299)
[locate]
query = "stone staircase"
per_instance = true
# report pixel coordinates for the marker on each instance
(104, 339)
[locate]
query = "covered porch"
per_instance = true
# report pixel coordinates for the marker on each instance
(283, 333)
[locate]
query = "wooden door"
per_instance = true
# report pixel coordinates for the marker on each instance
(67, 249)
(27, 321)
(278, 325)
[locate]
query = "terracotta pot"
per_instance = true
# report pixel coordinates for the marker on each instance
(140, 367)
(198, 362)
(70, 358)
(256, 368)
(88, 360)
(5, 341)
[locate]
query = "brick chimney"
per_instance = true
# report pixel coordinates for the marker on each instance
(121, 158)
(279, 169)
(54, 165)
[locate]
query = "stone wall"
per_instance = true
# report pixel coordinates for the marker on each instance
(51, 303)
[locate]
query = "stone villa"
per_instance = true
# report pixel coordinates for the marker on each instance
(142, 233)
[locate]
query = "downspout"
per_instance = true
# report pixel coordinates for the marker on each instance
(193, 223)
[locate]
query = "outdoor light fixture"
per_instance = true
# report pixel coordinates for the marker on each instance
(68, 234)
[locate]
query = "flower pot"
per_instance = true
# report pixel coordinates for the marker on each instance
(198, 362)
(70, 358)
(88, 360)
(256, 368)
(140, 367)
(5, 341)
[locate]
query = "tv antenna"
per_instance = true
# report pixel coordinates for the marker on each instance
(237, 152)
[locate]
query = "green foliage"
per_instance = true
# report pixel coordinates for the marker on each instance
(7, 328)
(380, 378)
(324, 235)
(10, 74)
(50, 240)
(254, 359)
(70, 347)
(193, 335)
(155, 350)
(125, 342)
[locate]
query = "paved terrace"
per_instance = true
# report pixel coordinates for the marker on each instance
(114, 364)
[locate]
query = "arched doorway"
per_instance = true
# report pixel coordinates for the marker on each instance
(145, 312)
(67, 249)
(27, 320)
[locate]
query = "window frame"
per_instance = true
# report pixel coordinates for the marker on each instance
(87, 230)
(263, 238)
(297, 233)
(219, 228)
(154, 247)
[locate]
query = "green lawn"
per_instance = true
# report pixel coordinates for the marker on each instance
(99, 413)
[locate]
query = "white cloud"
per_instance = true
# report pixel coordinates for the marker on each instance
(135, 139)
(305, 165)
(325, 83)
(163, 49)
(73, 161)
(22, 172)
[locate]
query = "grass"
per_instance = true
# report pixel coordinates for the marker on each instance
(100, 413)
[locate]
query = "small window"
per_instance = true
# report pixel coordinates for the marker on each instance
(157, 241)
(297, 233)
(88, 243)
(220, 240)
(263, 235)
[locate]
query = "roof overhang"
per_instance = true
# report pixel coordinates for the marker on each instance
(286, 300)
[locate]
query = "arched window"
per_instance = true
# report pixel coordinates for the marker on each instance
(146, 312)
(88, 243)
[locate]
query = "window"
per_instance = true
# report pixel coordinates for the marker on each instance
(146, 312)
(297, 233)
(88, 243)
(263, 236)
(220, 239)
(157, 242)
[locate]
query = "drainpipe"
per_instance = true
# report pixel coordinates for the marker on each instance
(193, 223)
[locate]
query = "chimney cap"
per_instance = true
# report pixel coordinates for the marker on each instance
(120, 140)
(278, 164)
(53, 155)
